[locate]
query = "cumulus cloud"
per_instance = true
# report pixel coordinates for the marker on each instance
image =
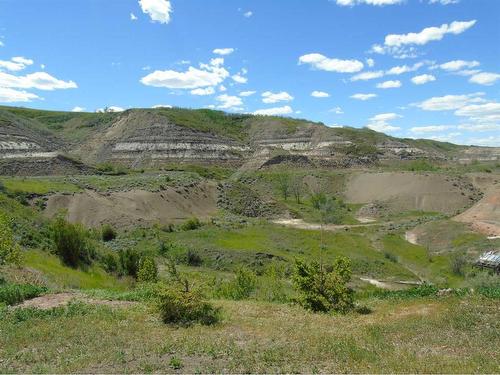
(370, 63)
(320, 94)
(133, 17)
(321, 62)
(444, 2)
(450, 102)
(423, 79)
(380, 122)
(455, 65)
(203, 91)
(397, 70)
(223, 51)
(430, 128)
(247, 93)
(229, 102)
(337, 110)
(239, 78)
(15, 64)
(368, 2)
(271, 97)
(158, 10)
(248, 14)
(193, 78)
(389, 85)
(483, 113)
(8, 95)
(276, 111)
(78, 109)
(400, 45)
(363, 96)
(484, 78)
(37, 80)
(365, 76)
(162, 106)
(112, 108)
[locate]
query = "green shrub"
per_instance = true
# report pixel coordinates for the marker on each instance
(108, 233)
(12, 294)
(148, 271)
(129, 261)
(71, 243)
(324, 289)
(10, 252)
(393, 258)
(193, 258)
(185, 307)
(191, 224)
(110, 262)
(458, 263)
(239, 288)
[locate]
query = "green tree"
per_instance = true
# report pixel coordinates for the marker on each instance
(10, 252)
(148, 271)
(284, 185)
(323, 289)
(70, 243)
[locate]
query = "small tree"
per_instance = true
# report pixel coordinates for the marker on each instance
(323, 290)
(108, 233)
(10, 252)
(284, 183)
(297, 187)
(129, 262)
(148, 271)
(70, 243)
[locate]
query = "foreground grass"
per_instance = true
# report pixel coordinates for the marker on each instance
(433, 335)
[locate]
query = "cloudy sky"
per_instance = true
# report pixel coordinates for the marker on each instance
(411, 68)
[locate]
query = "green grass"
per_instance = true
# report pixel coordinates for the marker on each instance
(37, 185)
(61, 276)
(431, 335)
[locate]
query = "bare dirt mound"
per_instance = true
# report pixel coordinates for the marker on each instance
(412, 191)
(136, 207)
(484, 216)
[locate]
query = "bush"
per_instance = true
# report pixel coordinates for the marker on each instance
(393, 258)
(12, 294)
(70, 243)
(193, 258)
(108, 233)
(10, 252)
(185, 307)
(191, 224)
(148, 271)
(129, 262)
(458, 263)
(239, 288)
(110, 262)
(324, 289)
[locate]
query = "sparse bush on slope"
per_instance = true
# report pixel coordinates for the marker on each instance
(71, 243)
(10, 252)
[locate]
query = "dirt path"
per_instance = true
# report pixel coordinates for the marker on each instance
(50, 301)
(301, 224)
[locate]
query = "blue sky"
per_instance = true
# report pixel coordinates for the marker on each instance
(411, 68)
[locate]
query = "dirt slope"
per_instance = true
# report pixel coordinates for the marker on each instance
(484, 216)
(136, 207)
(411, 191)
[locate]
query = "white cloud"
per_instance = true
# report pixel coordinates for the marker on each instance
(365, 76)
(484, 78)
(444, 2)
(208, 75)
(15, 64)
(480, 127)
(423, 79)
(320, 94)
(112, 108)
(37, 80)
(428, 34)
(363, 96)
(285, 110)
(467, 72)
(493, 140)
(482, 113)
(449, 102)
(8, 95)
(162, 106)
(78, 109)
(430, 128)
(337, 110)
(270, 97)
(203, 91)
(229, 101)
(223, 51)
(397, 70)
(133, 17)
(380, 122)
(158, 10)
(389, 85)
(455, 65)
(222, 88)
(370, 63)
(320, 62)
(248, 14)
(239, 78)
(247, 93)
(368, 2)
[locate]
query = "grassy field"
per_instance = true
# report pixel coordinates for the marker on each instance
(430, 335)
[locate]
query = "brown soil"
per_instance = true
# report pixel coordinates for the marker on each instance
(136, 207)
(411, 191)
(484, 216)
(50, 301)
